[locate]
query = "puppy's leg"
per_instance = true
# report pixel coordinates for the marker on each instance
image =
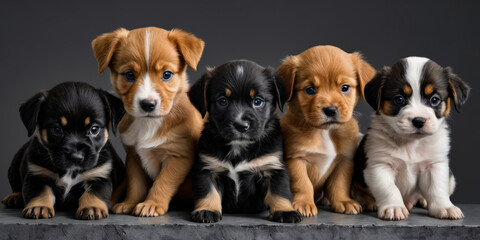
(208, 198)
(364, 197)
(435, 186)
(14, 200)
(39, 200)
(380, 178)
(302, 188)
(137, 184)
(92, 205)
(278, 199)
(173, 173)
(337, 188)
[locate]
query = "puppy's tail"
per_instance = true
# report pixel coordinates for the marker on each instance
(119, 193)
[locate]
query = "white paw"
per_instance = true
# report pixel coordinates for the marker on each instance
(446, 213)
(393, 213)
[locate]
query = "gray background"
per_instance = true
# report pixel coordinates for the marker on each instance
(43, 43)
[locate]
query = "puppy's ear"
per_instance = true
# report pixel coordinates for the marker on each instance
(457, 88)
(287, 71)
(373, 89)
(189, 46)
(364, 72)
(198, 91)
(115, 109)
(30, 109)
(279, 91)
(105, 45)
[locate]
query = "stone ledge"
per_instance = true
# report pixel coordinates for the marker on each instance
(176, 225)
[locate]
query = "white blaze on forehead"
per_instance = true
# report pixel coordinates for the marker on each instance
(413, 74)
(147, 47)
(239, 71)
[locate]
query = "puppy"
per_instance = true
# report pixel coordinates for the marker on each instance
(161, 127)
(404, 156)
(323, 86)
(239, 166)
(69, 163)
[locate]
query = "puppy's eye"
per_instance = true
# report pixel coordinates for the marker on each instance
(167, 76)
(94, 130)
(56, 131)
(258, 102)
(129, 76)
(310, 91)
(345, 89)
(223, 102)
(435, 100)
(399, 100)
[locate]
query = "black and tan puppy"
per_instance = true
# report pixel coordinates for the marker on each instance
(69, 163)
(239, 164)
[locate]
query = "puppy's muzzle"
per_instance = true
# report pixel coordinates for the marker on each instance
(418, 122)
(330, 111)
(241, 126)
(148, 105)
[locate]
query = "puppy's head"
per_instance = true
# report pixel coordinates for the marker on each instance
(323, 84)
(71, 121)
(240, 98)
(415, 94)
(148, 66)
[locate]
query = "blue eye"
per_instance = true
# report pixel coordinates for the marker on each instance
(345, 89)
(399, 100)
(435, 100)
(94, 130)
(222, 102)
(167, 76)
(310, 91)
(258, 102)
(129, 76)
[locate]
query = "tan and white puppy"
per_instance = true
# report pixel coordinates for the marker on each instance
(160, 130)
(320, 135)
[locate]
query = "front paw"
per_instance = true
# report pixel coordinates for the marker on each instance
(91, 213)
(350, 207)
(36, 212)
(206, 216)
(452, 213)
(123, 208)
(149, 209)
(393, 213)
(306, 209)
(286, 217)
(14, 200)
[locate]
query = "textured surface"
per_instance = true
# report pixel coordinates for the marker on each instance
(176, 225)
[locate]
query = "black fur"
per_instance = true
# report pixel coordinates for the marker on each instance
(224, 125)
(41, 114)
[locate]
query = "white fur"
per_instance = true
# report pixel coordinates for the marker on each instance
(141, 133)
(323, 156)
(239, 71)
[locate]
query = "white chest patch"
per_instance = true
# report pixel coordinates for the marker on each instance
(141, 133)
(324, 156)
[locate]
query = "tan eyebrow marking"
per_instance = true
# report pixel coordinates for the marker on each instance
(87, 121)
(407, 89)
(252, 93)
(428, 89)
(63, 121)
(228, 92)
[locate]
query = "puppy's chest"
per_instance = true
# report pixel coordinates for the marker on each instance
(143, 133)
(320, 152)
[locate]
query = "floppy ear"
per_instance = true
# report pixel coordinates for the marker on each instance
(115, 109)
(373, 89)
(105, 45)
(364, 72)
(197, 93)
(30, 109)
(189, 46)
(287, 71)
(279, 91)
(457, 88)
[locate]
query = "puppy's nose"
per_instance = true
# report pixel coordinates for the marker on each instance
(418, 122)
(148, 105)
(77, 156)
(330, 111)
(241, 126)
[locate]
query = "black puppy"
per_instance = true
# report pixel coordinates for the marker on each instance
(69, 163)
(239, 164)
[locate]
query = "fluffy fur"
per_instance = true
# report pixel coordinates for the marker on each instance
(323, 86)
(404, 156)
(69, 163)
(160, 130)
(239, 165)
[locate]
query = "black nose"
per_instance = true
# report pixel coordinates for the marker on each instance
(148, 105)
(330, 111)
(418, 122)
(77, 156)
(241, 126)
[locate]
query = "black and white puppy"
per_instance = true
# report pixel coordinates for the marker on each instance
(239, 164)
(404, 156)
(69, 163)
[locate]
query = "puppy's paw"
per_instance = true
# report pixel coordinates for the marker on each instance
(149, 209)
(286, 217)
(206, 216)
(306, 209)
(452, 213)
(14, 200)
(422, 202)
(91, 213)
(350, 207)
(36, 212)
(393, 213)
(123, 208)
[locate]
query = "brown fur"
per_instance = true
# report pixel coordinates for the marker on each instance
(428, 89)
(277, 203)
(41, 206)
(181, 124)
(89, 206)
(407, 89)
(326, 68)
(211, 202)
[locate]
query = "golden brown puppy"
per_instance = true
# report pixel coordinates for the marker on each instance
(161, 127)
(320, 135)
